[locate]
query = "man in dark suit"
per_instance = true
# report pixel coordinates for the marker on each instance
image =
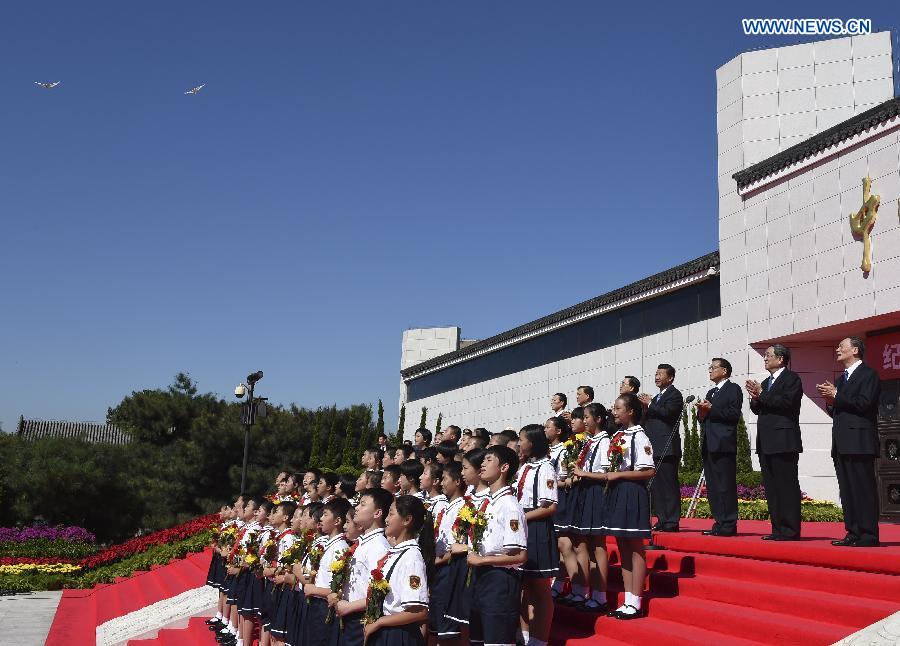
(719, 414)
(776, 402)
(852, 402)
(661, 416)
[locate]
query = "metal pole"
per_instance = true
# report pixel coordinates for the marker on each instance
(247, 439)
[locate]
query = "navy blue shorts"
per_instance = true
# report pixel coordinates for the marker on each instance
(496, 601)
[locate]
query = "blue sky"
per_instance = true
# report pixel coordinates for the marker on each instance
(350, 170)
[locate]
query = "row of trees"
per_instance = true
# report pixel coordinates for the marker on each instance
(692, 455)
(184, 460)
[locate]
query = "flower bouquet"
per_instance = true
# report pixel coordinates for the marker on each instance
(315, 558)
(573, 451)
(616, 452)
(468, 528)
(340, 571)
(375, 595)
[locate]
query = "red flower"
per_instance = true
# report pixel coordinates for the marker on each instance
(377, 575)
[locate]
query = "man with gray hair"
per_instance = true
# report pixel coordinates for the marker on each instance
(776, 402)
(852, 402)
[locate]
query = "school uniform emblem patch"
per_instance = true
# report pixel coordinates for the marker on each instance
(514, 524)
(414, 582)
(550, 484)
(647, 449)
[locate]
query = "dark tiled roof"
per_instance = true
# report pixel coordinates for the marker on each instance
(92, 432)
(661, 279)
(819, 142)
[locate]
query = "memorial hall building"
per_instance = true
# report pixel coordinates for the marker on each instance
(807, 149)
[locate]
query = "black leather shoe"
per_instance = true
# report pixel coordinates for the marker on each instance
(865, 543)
(847, 541)
(719, 532)
(656, 527)
(667, 529)
(769, 537)
(785, 538)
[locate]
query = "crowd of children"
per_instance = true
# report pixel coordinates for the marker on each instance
(470, 540)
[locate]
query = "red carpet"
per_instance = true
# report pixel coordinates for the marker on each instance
(743, 590)
(702, 590)
(81, 611)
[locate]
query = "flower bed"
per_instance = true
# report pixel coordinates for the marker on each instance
(68, 534)
(20, 573)
(810, 510)
(143, 543)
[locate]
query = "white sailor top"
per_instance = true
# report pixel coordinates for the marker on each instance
(404, 570)
(286, 540)
(506, 530)
(638, 450)
(558, 459)
(372, 546)
(265, 534)
(443, 526)
(536, 484)
(304, 500)
(248, 530)
(435, 504)
(335, 546)
(477, 496)
(597, 459)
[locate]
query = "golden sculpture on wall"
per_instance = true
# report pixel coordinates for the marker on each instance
(862, 222)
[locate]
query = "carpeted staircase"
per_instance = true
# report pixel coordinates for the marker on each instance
(744, 590)
(702, 590)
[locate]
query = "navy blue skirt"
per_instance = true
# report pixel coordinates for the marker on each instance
(628, 510)
(228, 586)
(296, 619)
(241, 590)
(543, 553)
(408, 635)
(562, 519)
(267, 603)
(589, 509)
(253, 596)
(283, 602)
(217, 574)
(459, 598)
(439, 594)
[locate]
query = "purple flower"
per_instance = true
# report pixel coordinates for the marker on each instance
(70, 534)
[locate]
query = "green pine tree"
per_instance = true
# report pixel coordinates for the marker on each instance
(365, 435)
(315, 451)
(744, 463)
(437, 428)
(348, 455)
(424, 417)
(379, 426)
(397, 439)
(332, 457)
(685, 454)
(696, 458)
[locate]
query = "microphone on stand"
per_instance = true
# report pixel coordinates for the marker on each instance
(651, 545)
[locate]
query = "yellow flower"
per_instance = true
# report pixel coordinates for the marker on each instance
(250, 559)
(465, 514)
(337, 565)
(46, 568)
(581, 437)
(568, 444)
(381, 586)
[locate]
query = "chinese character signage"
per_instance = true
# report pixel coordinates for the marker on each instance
(885, 355)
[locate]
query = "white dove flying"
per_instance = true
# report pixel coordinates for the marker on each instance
(195, 90)
(47, 86)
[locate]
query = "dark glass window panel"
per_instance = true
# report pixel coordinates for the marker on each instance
(682, 307)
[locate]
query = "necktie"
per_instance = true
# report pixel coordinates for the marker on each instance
(713, 392)
(767, 383)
